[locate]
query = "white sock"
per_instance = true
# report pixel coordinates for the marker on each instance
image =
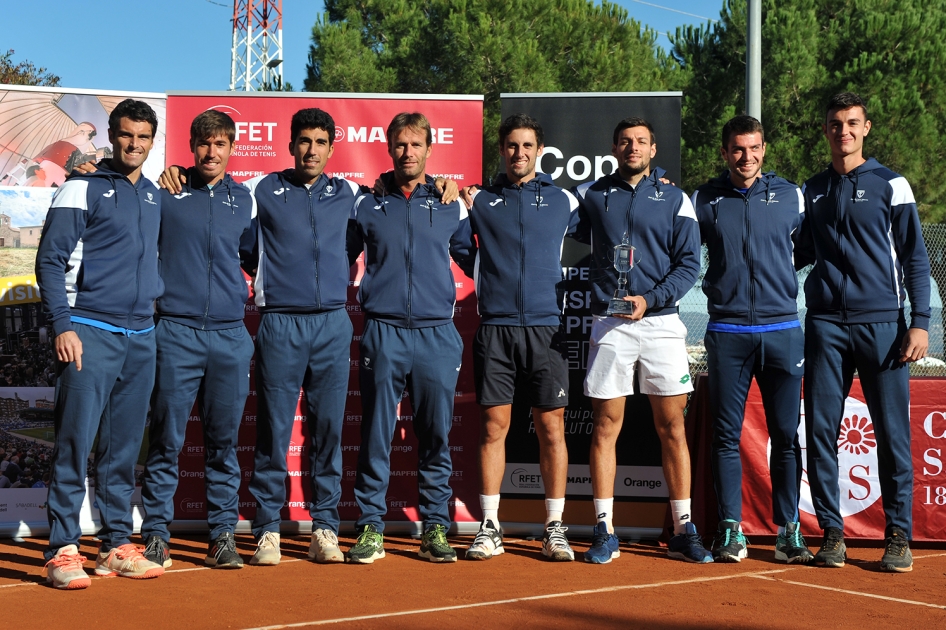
(490, 505)
(604, 512)
(554, 509)
(680, 510)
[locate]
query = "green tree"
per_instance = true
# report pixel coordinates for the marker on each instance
(484, 47)
(892, 54)
(24, 73)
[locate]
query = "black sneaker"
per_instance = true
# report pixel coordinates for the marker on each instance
(790, 547)
(730, 544)
(157, 551)
(897, 555)
(368, 547)
(434, 545)
(222, 553)
(833, 551)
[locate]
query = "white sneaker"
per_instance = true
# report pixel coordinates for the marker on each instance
(324, 547)
(127, 561)
(555, 545)
(267, 550)
(65, 570)
(488, 543)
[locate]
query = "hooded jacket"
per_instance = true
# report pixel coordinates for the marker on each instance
(303, 259)
(205, 233)
(408, 242)
(518, 269)
(751, 278)
(98, 256)
(661, 225)
(863, 231)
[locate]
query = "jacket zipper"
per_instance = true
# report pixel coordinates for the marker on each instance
(842, 266)
(315, 243)
(210, 258)
(141, 240)
(522, 262)
(410, 259)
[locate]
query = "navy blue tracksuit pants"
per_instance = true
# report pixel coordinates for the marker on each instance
(311, 352)
(832, 353)
(776, 359)
(425, 361)
(109, 396)
(212, 366)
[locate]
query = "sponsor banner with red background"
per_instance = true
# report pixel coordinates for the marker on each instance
(861, 504)
(263, 135)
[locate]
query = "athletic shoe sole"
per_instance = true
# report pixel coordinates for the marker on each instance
(376, 556)
(676, 555)
(150, 573)
(71, 585)
(483, 555)
(211, 562)
(728, 557)
(426, 555)
(781, 556)
(892, 569)
(596, 560)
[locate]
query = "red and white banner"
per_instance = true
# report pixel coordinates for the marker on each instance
(857, 459)
(263, 135)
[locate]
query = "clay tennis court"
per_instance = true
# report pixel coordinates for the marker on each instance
(640, 589)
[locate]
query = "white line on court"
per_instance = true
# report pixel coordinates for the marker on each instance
(19, 584)
(841, 590)
(501, 602)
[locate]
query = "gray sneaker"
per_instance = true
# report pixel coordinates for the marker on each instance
(897, 555)
(324, 547)
(157, 551)
(267, 550)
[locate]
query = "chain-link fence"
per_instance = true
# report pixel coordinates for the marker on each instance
(694, 315)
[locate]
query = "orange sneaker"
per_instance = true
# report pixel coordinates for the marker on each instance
(65, 570)
(127, 561)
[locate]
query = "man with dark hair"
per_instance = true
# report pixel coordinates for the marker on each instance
(203, 349)
(634, 208)
(750, 221)
(409, 340)
(97, 268)
(863, 231)
(520, 222)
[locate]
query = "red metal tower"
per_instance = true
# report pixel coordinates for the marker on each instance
(256, 57)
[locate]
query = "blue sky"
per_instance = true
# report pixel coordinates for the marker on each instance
(143, 46)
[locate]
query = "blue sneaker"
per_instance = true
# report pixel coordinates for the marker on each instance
(604, 546)
(689, 547)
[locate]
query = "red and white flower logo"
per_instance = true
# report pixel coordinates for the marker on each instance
(858, 480)
(857, 435)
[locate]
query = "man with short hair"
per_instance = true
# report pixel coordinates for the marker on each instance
(304, 336)
(97, 269)
(863, 231)
(409, 340)
(633, 206)
(520, 222)
(203, 348)
(749, 221)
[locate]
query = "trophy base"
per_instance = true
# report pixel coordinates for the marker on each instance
(617, 306)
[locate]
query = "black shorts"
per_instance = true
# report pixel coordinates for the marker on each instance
(527, 356)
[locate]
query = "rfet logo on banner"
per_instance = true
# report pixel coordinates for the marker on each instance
(361, 121)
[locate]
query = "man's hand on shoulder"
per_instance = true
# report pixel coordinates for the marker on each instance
(83, 169)
(448, 189)
(467, 194)
(69, 348)
(915, 344)
(173, 179)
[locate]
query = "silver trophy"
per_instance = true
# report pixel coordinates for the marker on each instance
(623, 263)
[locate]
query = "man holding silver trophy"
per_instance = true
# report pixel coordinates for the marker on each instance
(645, 257)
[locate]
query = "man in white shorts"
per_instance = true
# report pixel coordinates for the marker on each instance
(658, 220)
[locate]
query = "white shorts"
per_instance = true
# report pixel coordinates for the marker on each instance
(654, 345)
